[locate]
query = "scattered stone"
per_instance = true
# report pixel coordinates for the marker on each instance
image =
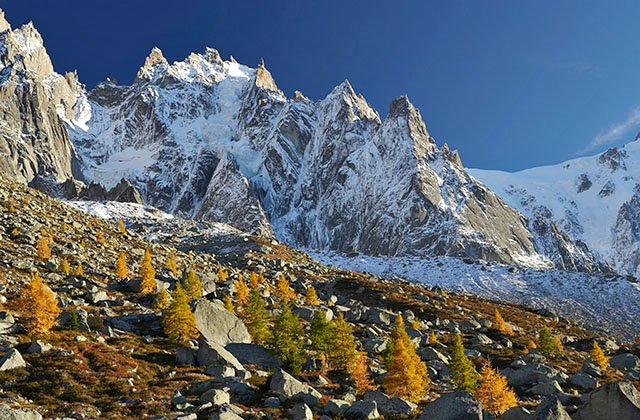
(39, 347)
(7, 323)
(550, 409)
(185, 356)
(12, 360)
(8, 413)
(453, 406)
(362, 410)
(625, 361)
(583, 381)
(212, 353)
(253, 354)
(301, 411)
(216, 397)
(390, 406)
(337, 406)
(288, 387)
(516, 413)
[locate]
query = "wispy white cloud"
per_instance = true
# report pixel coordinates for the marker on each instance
(615, 132)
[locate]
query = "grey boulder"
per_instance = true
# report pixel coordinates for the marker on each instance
(218, 325)
(459, 405)
(615, 400)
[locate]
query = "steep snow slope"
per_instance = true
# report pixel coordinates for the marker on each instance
(602, 302)
(593, 199)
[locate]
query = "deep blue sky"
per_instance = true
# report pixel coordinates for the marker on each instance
(511, 84)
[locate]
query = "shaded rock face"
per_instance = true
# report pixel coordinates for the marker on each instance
(615, 400)
(33, 136)
(626, 234)
(453, 406)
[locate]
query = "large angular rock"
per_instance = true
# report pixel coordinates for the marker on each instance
(534, 373)
(300, 411)
(7, 323)
(8, 413)
(516, 413)
(212, 353)
(218, 325)
(288, 387)
(216, 397)
(550, 409)
(626, 361)
(336, 406)
(363, 410)
(12, 360)
(583, 381)
(253, 354)
(390, 406)
(615, 400)
(459, 405)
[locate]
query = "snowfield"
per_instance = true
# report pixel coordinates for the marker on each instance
(582, 196)
(599, 302)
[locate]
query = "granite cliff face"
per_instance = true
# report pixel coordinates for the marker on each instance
(34, 100)
(212, 139)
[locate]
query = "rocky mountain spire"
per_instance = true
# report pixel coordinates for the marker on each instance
(154, 57)
(4, 25)
(402, 109)
(264, 78)
(212, 55)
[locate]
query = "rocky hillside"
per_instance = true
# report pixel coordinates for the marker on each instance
(595, 200)
(214, 140)
(108, 356)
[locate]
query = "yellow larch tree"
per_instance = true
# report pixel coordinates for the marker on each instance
(147, 274)
(228, 303)
(283, 290)
(162, 300)
(42, 248)
(178, 321)
(253, 280)
(311, 297)
(494, 392)
(599, 357)
(192, 284)
(406, 374)
(100, 238)
(121, 227)
(41, 306)
(172, 263)
(222, 273)
(65, 267)
(122, 271)
(242, 291)
(79, 271)
(359, 372)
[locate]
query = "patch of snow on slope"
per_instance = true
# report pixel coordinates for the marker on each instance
(113, 210)
(599, 302)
